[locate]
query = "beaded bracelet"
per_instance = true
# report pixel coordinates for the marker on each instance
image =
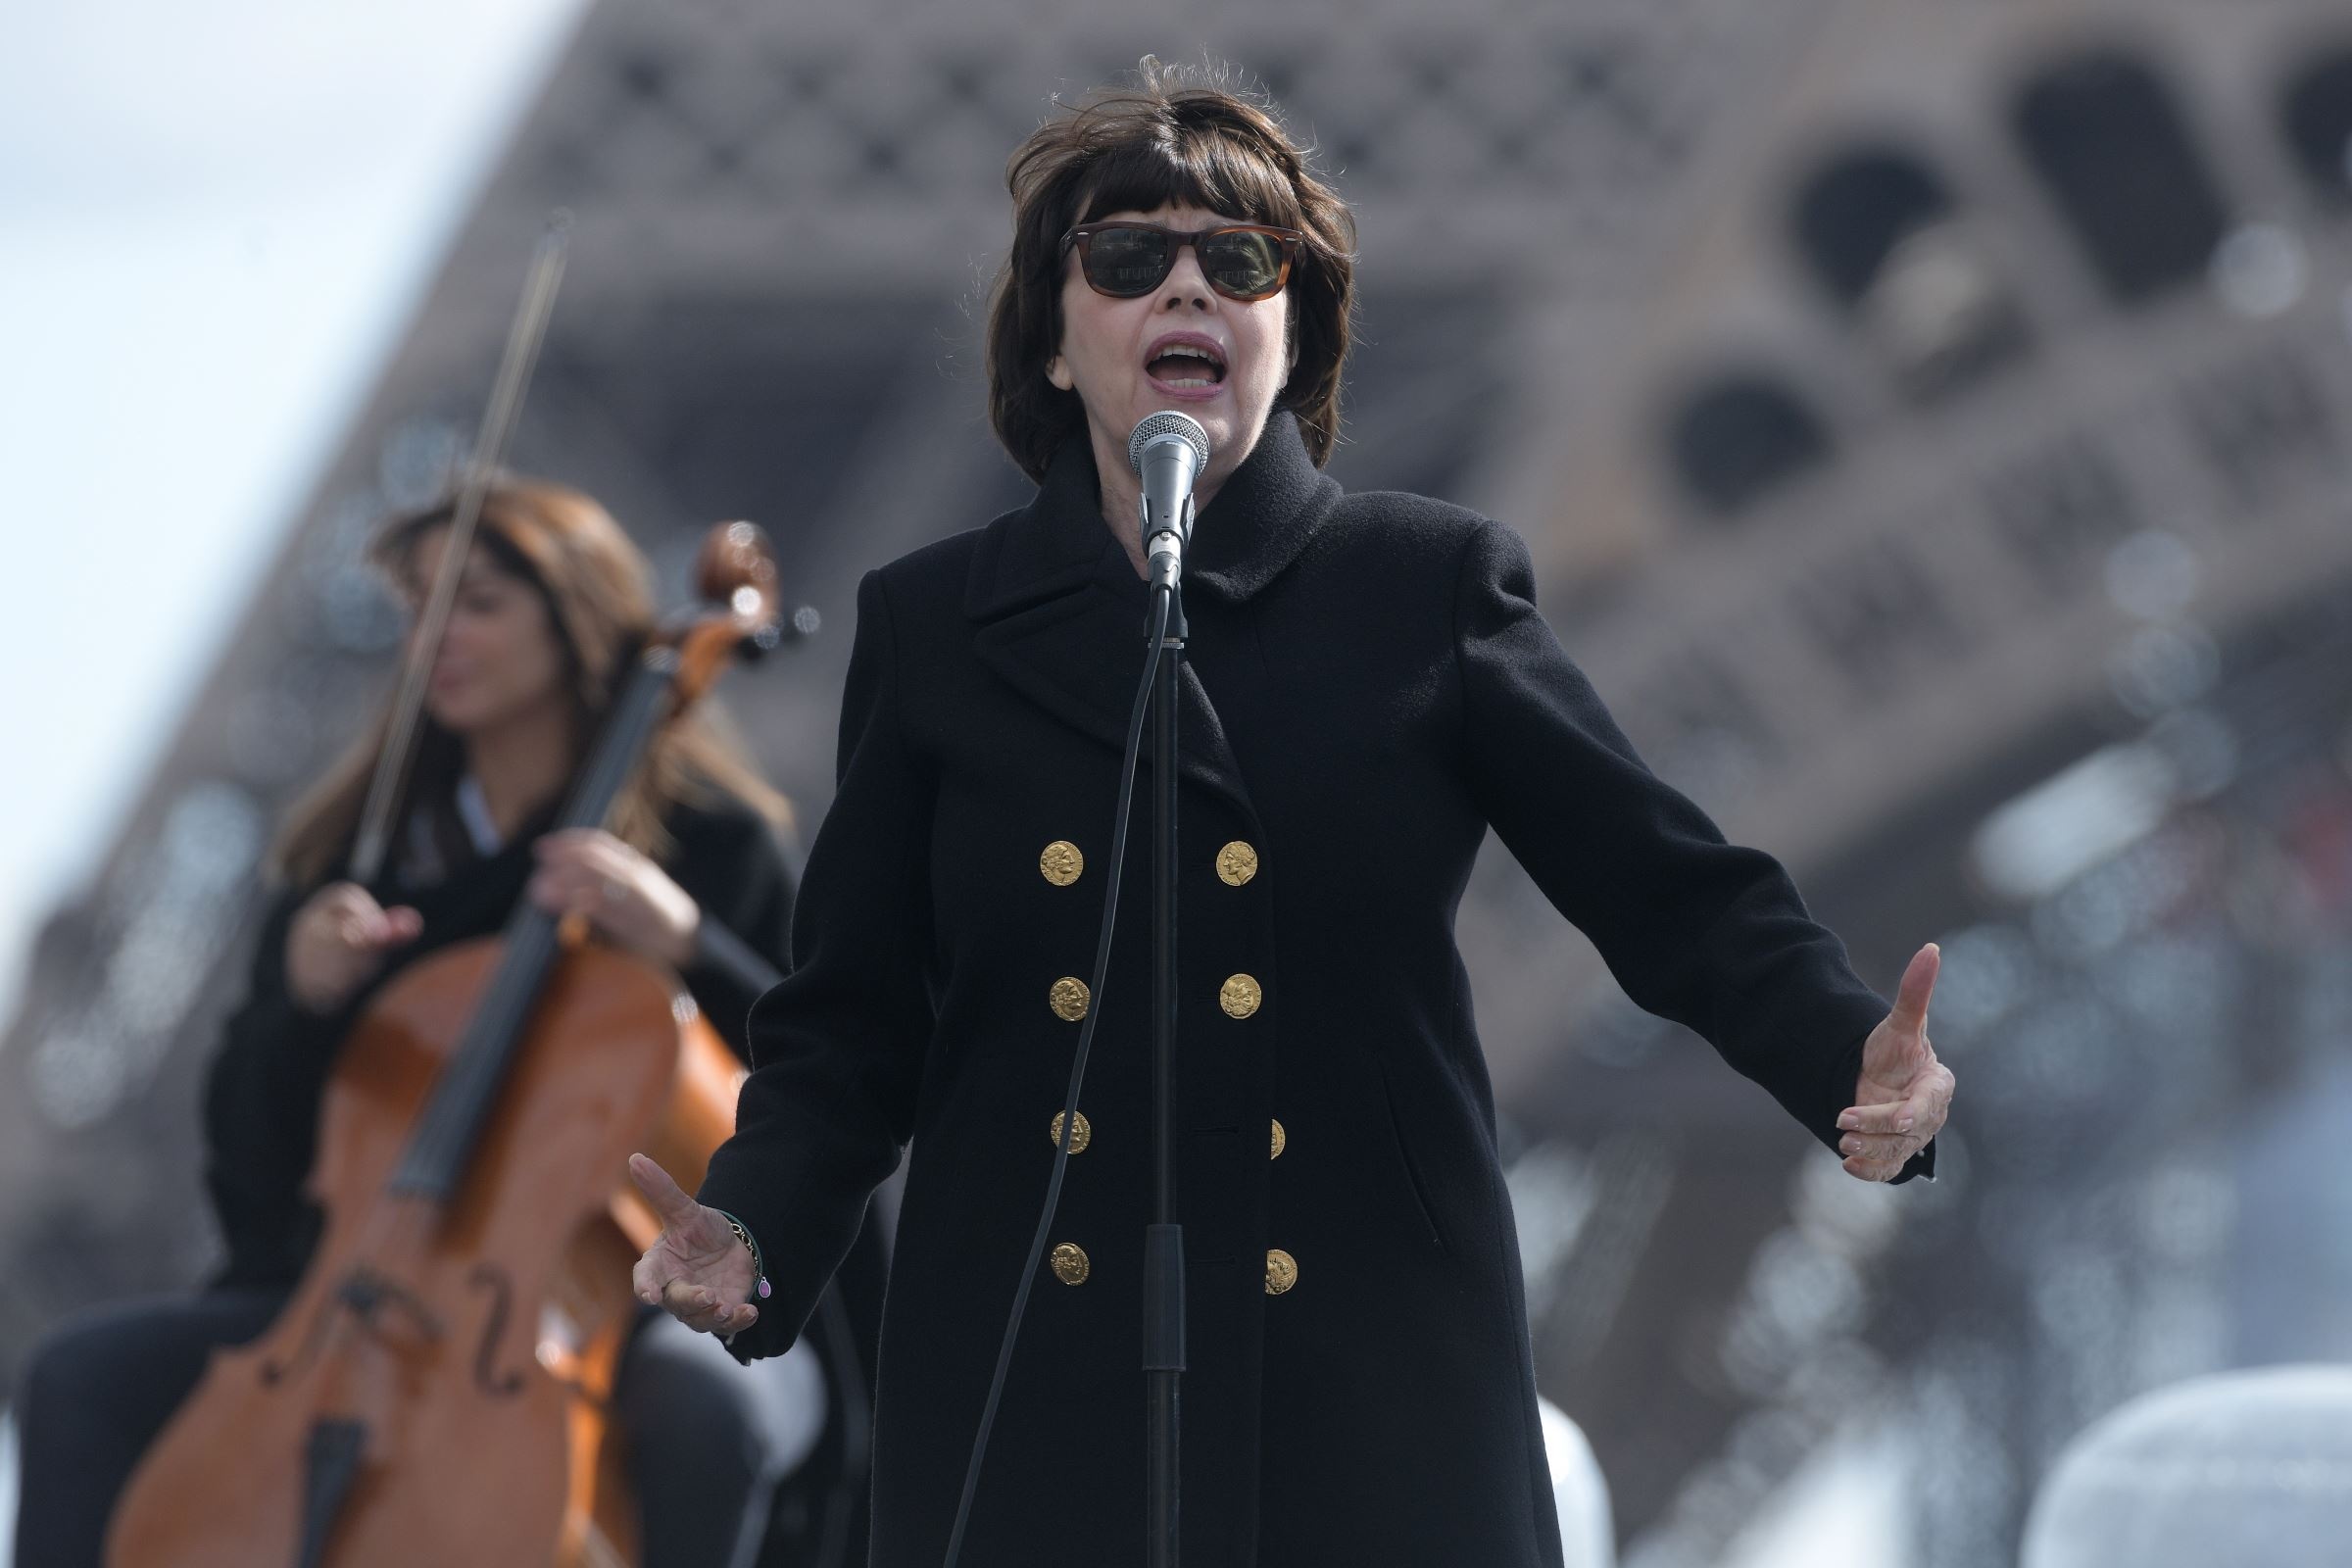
(759, 1264)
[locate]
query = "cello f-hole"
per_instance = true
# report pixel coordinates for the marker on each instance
(491, 1278)
(274, 1372)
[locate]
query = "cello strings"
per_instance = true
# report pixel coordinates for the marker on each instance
(469, 1081)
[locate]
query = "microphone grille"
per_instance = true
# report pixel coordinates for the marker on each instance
(1152, 426)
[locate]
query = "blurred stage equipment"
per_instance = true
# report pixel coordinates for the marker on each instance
(2248, 1467)
(1580, 1493)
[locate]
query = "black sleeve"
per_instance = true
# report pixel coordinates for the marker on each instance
(1709, 934)
(260, 1113)
(729, 860)
(838, 1048)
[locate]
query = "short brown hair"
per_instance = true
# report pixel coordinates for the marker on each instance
(1178, 135)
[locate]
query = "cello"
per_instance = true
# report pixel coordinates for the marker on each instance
(435, 1389)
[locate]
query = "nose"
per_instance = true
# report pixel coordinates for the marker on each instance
(1186, 285)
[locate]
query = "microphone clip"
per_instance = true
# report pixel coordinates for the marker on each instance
(1164, 544)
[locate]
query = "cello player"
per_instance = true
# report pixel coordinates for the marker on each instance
(552, 600)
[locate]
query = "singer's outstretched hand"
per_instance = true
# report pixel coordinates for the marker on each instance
(696, 1270)
(1904, 1093)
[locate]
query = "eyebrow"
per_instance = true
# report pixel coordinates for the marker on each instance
(479, 574)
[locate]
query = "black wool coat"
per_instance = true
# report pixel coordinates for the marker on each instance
(1367, 690)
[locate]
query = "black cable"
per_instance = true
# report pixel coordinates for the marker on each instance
(1086, 1040)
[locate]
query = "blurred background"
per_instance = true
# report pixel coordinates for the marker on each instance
(1931, 418)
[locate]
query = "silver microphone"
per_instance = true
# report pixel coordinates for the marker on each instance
(1168, 452)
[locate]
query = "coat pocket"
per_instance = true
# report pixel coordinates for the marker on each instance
(1416, 1187)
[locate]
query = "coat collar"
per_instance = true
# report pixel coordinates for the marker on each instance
(1266, 515)
(1059, 614)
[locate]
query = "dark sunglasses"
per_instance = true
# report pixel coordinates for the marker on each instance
(1244, 262)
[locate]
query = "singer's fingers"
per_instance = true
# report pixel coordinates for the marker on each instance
(1930, 1101)
(668, 1199)
(650, 1276)
(1879, 1121)
(1919, 984)
(1854, 1146)
(1874, 1170)
(702, 1308)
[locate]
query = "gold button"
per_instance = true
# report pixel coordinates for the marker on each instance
(1282, 1270)
(1062, 863)
(1237, 863)
(1069, 998)
(1240, 996)
(1080, 1136)
(1280, 1140)
(1070, 1265)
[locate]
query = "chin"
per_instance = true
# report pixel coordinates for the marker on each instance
(1217, 415)
(459, 719)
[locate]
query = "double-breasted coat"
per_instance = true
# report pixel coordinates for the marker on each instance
(1368, 689)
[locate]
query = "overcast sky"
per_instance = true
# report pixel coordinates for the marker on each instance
(214, 223)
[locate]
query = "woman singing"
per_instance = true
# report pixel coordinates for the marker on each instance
(552, 602)
(1369, 690)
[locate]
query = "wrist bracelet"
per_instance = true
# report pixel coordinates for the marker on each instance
(759, 1264)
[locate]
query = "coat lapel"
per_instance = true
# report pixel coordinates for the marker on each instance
(1058, 615)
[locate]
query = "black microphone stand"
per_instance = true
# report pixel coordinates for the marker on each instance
(1164, 1239)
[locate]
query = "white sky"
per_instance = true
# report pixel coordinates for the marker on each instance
(214, 223)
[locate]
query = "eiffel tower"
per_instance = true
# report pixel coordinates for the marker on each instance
(1931, 421)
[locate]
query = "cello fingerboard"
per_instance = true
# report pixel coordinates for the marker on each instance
(441, 1149)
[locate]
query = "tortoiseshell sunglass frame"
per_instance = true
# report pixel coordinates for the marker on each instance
(1082, 240)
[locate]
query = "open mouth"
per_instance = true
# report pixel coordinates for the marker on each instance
(1186, 364)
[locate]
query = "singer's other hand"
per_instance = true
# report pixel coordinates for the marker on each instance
(696, 1270)
(1904, 1093)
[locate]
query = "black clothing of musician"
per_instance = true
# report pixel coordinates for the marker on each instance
(1367, 688)
(708, 1447)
